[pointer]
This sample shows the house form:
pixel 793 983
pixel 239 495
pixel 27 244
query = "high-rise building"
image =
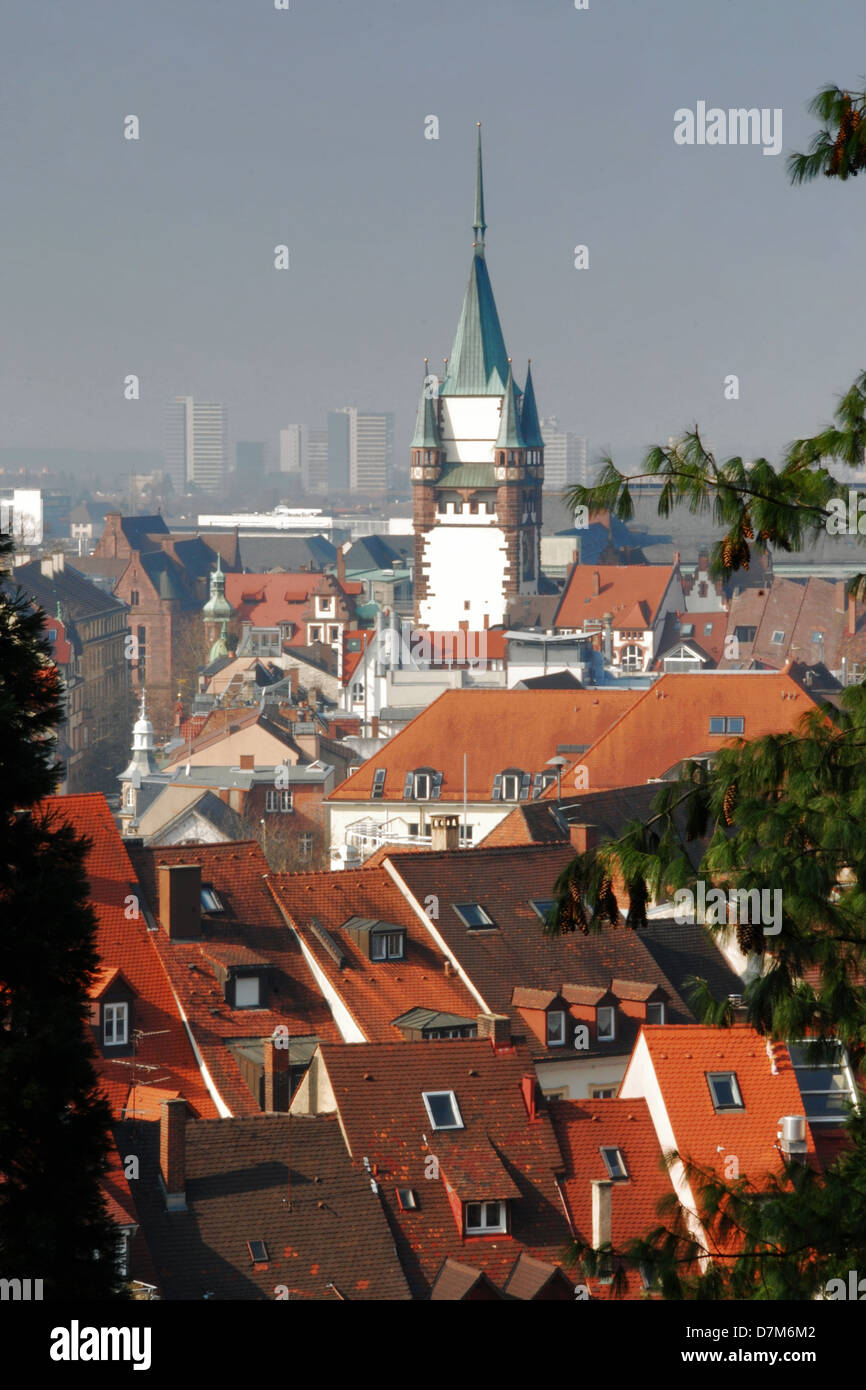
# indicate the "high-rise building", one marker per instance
pixel 314 461
pixel 564 456
pixel 371 444
pixel 195 443
pixel 339 449
pixel 477 469
pixel 292 449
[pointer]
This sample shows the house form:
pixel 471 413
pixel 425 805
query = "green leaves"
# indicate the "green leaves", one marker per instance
pixel 838 150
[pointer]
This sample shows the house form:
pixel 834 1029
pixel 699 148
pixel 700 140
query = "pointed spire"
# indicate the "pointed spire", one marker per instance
pixel 426 434
pixel 510 436
pixel 529 426
pixel 479 226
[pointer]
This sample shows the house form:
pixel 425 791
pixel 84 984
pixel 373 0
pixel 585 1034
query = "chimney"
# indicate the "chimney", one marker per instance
pixel 247 762
pixel 374 726
pixel 596 584
pixel 527 1086
pixel 793 1136
pixel 852 616
pixel 58 559
pixel 445 831
pixel 341 566
pixel 496 1027
pixel 601 1194
pixel 276 1066
pixel 608 637
pixel 180 900
pixel 172 1152
pixel 676 559
pixel 840 587
pixel 46 567
pixel 292 674
pixel 583 837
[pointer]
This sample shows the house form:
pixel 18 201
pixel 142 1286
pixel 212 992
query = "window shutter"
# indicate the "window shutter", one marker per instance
pixel 524 786
pixel 436 790
pixel 537 784
pixel 379 781
pixel 408 785
pixel 496 794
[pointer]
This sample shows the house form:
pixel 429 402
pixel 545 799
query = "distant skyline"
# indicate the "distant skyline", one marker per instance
pixel 307 127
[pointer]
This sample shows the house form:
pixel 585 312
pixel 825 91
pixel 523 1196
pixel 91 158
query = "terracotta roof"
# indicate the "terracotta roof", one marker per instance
pixel 496 729
pixel 284 1180
pixel 583 1128
pixel 621 588
pixel 378 1090
pixel 516 953
pixel 269 599
pixel 125 944
pixel 458 1282
pixel 670 722
pixel 374 992
pixel 250 929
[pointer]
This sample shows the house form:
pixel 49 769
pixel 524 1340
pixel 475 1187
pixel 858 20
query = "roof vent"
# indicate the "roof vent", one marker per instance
pixel 793 1135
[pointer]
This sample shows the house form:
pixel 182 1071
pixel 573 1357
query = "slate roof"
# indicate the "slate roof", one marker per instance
pixel 251 921
pixel 374 992
pixel 127 945
pixel 78 596
pixel 497 729
pixel 378 1090
pixel 286 1180
pixel 582 1128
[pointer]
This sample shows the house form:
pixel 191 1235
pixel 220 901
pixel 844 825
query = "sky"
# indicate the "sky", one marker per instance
pixel 306 126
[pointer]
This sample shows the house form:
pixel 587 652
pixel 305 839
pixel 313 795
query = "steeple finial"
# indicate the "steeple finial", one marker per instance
pixel 479 226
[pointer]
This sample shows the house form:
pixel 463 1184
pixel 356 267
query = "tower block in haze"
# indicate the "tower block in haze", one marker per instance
pixel 477 469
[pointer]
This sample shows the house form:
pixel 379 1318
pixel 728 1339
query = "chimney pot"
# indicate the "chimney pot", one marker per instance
pixel 596 583
pixel 445 832
pixel 276 1066
pixel 496 1027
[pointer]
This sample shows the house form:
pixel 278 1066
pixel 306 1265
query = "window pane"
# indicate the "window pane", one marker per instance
pixel 491 1213
pixel 473 1214
pixel 246 991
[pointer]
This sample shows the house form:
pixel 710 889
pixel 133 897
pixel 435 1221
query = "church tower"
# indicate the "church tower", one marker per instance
pixel 477 469
pixel 140 765
pixel 217 612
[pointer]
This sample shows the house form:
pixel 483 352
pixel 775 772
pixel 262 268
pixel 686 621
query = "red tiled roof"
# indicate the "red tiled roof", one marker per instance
pixel 378 1090
pixel 374 992
pixel 126 944
pixel 620 589
pixel 248 929
pixel 670 722
pixel 496 729
pixel 269 599
pixel 583 1127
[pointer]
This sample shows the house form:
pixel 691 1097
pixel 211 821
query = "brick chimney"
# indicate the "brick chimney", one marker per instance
pixel 180 900
pixel 841 602
pixel 445 831
pixel 496 1027
pixel 583 837
pixel 341 566
pixel 172 1152
pixel 374 726
pixel 601 1194
pixel 596 584
pixel 852 616
pixel 276 1066
pixel 527 1085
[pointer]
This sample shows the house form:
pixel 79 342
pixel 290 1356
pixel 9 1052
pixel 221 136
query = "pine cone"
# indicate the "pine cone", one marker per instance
pixel 750 938
pixel 728 805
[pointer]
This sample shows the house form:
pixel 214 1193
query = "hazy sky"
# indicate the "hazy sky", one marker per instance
pixel 306 126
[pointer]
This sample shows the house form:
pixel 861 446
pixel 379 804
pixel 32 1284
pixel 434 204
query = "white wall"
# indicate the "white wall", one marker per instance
pixel 469 426
pixel 463 563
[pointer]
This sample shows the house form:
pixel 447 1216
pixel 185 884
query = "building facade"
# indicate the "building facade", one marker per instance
pixel 195 443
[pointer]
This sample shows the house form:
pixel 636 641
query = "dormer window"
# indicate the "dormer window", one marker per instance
pixel 422 784
pixel 655 1013
pixel 442 1109
pixel 387 945
pixel 248 991
pixel 379 783
pixel 485 1218
pixel 115 1024
pixel 605 1024
pixel 511 785
pixel 556 1028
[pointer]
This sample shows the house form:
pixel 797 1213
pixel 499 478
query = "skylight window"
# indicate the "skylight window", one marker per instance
pixel 443 1109
pixel 725 1090
pixel 727 724
pixel 542 906
pixel 406 1199
pixel 210 899
pixel 258 1252
pixel 708 629
pixel 472 915
pixel 614 1161
pixel 778 637
pixel 379 783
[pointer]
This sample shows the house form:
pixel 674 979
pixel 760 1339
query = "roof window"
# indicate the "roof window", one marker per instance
pixel 443 1109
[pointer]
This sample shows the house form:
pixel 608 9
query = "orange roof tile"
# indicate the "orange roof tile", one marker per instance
pixel 620 588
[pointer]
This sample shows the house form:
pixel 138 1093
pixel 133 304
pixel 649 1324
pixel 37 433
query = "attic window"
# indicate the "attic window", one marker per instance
pixel 511 785
pixel 655 1013
pixel 708 629
pixel 724 1090
pixel 210 899
pixel 258 1252
pixel 687 629
pixel 379 783
pixel 484 1217
pixel 542 906
pixel 727 724
pixel 605 1024
pixel 614 1161
pixel 247 992
pixel 406 1199
pixel 556 1028
pixel 817 637
pixel 387 945
pixel 443 1109
pixel 422 784
pixel 778 637
pixel 473 916
pixel 114 1024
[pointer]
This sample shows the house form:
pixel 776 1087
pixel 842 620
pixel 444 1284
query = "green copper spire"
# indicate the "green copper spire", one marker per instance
pixel 218 605
pixel 510 436
pixel 479 226
pixel 529 426
pixel 426 434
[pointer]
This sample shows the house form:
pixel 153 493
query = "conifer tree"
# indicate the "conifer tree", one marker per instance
pixel 54 1124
